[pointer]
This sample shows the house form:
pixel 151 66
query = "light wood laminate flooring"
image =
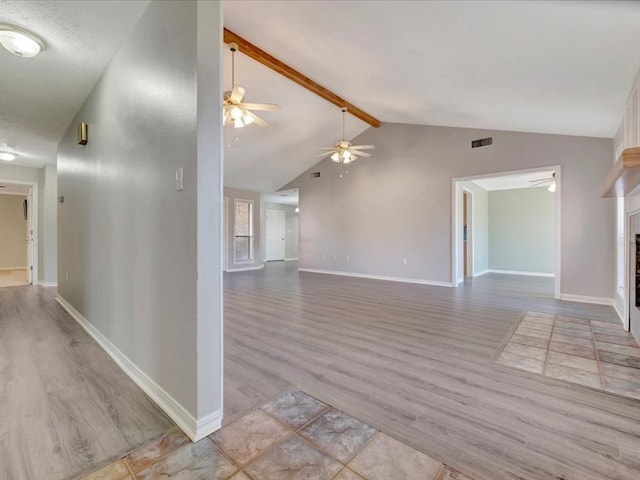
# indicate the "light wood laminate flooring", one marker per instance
pixel 415 361
pixel 65 407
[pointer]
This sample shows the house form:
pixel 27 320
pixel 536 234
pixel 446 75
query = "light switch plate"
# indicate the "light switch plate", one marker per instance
pixel 179 179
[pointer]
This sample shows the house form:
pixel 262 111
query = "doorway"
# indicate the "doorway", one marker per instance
pixel 500 219
pixel 276 230
pixel 18 237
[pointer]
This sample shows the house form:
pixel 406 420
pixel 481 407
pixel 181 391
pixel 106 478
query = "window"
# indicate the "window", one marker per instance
pixel 620 218
pixel 243 231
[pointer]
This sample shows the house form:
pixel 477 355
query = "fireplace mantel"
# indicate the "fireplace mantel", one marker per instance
pixel 624 176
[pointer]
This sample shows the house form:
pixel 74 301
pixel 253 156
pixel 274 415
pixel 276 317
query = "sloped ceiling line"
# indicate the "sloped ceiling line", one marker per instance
pixel 285 70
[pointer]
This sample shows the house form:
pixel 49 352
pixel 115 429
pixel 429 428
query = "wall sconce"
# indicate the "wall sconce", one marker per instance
pixel 82 133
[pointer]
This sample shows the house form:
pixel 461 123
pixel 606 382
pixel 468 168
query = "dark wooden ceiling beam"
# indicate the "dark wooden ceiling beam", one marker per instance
pixel 285 70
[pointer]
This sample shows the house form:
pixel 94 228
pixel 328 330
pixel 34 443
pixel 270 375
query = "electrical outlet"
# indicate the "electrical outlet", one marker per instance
pixel 66 275
pixel 348 258
pixel 404 261
pixel 324 257
pixel 335 257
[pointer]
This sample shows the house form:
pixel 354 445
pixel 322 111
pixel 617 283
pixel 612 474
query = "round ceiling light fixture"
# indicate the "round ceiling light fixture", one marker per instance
pixel 7 156
pixel 20 42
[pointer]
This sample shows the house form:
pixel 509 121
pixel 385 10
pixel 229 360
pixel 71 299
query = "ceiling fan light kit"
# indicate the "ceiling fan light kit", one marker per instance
pixel 344 153
pixel 236 112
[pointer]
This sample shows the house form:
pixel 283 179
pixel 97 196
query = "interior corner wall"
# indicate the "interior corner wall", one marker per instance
pixel 291 226
pixel 13 232
pixel 522 230
pixel 233 194
pixel 397 204
pixel 480 228
pixel 130 244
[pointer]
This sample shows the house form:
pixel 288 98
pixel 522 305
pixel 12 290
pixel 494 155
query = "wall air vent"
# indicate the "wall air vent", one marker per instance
pixel 482 142
pixel 315 174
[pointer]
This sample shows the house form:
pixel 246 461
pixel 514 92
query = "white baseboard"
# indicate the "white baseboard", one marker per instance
pixel 377 277
pixel 290 259
pixel 483 272
pixel 586 299
pixel 616 307
pixel 48 284
pixel 245 269
pixel 517 272
pixel 195 429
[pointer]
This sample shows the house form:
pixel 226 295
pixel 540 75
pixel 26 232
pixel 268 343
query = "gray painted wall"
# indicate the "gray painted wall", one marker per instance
pixel 13 232
pixel 49 222
pixel 258 213
pixel 522 230
pixel 397 204
pixel 291 234
pixel 142 259
pixel 480 228
pixel 47 231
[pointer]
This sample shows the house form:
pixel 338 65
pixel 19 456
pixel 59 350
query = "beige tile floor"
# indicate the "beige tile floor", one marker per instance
pixel 292 437
pixel 597 354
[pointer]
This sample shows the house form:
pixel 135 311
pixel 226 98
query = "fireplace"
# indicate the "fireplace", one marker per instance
pixel 634 275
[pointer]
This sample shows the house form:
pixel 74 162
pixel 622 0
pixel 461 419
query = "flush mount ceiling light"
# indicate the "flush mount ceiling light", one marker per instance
pixel 7 156
pixel 236 112
pixel 345 153
pixel 20 42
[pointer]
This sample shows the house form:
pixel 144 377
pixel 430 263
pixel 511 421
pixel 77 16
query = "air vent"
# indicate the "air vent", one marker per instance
pixel 482 142
pixel 315 174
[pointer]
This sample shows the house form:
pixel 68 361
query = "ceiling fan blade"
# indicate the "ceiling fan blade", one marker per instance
pixel 264 107
pixel 360 154
pixel 326 154
pixel 363 147
pixel 237 94
pixel 256 119
pixel 326 148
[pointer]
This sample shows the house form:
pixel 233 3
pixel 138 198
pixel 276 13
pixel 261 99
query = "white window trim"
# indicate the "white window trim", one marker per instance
pixel 251 236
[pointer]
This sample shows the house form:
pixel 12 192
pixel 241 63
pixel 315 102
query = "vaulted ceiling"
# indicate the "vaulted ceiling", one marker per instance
pixel 553 67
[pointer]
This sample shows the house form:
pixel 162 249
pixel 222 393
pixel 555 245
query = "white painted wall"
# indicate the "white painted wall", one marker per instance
pixel 522 230
pixel 13 232
pixel 143 260
pixel 397 204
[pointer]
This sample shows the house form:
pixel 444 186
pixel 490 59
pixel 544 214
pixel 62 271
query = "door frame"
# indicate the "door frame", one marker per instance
pixel 266 229
pixel 470 232
pixel 456 220
pixel 33 219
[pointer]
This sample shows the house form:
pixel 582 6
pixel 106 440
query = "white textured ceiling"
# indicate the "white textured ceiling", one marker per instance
pixel 40 96
pixel 551 67
pixel 517 180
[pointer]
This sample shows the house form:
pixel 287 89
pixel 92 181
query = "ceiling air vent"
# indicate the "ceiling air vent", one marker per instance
pixel 482 142
pixel 315 174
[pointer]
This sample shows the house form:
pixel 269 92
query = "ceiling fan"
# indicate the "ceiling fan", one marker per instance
pixel 237 112
pixel 344 152
pixel 541 181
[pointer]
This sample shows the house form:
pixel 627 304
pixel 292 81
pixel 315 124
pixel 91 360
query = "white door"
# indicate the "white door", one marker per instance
pixel 276 230
pixel 29 216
